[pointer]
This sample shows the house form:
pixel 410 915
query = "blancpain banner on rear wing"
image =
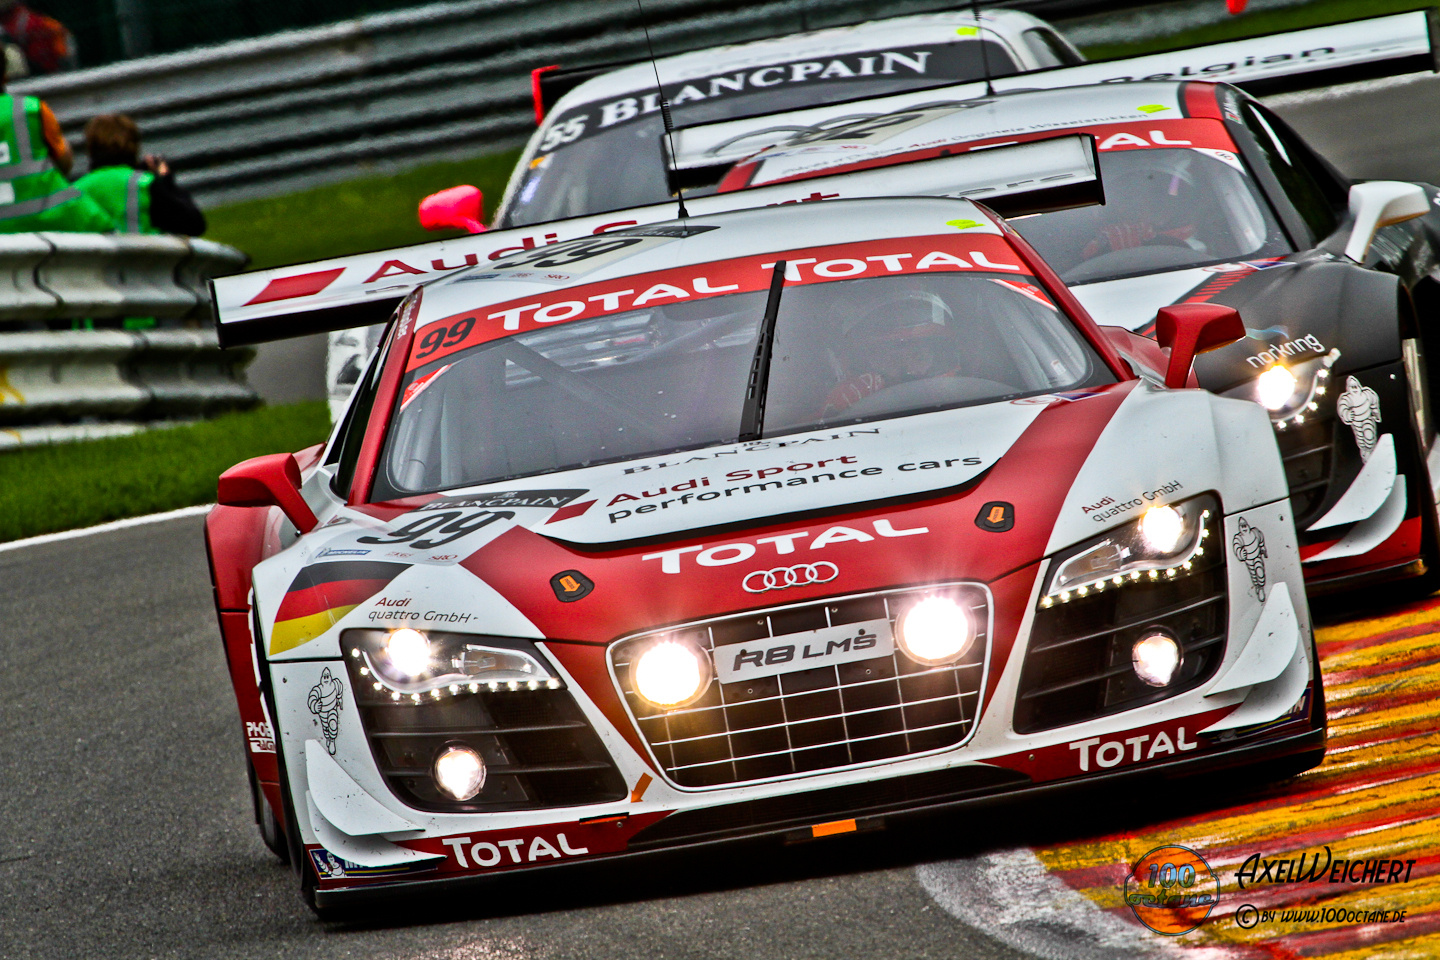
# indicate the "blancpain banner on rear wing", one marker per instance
pixel 361 289
pixel 747 482
pixel 1395 43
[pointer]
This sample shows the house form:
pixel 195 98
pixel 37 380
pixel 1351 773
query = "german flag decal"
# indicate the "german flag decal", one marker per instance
pixel 322 594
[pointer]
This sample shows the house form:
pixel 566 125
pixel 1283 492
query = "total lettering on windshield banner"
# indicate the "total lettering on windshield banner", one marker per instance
pixel 977 252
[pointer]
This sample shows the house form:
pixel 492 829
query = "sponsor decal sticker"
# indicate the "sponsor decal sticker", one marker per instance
pixel 325 701
pixel 997 516
pixel 1248 545
pixel 550 499
pixel 330 867
pixel 322 594
pixel 1280 351
pixel 571 585
pixel 1107 508
pixel 783 544
pixel 942 253
pixel 1359 409
pixel 260 736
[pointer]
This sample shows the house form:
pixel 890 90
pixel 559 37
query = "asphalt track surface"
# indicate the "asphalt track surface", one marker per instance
pixel 125 828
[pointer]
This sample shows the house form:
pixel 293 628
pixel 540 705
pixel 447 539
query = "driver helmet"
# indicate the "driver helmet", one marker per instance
pixel 909 337
pixel 1159 200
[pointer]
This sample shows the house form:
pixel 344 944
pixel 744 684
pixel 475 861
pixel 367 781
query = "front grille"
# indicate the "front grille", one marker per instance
pixel 812 720
pixel 1308 452
pixel 1078 665
pixel 817 806
pixel 538 748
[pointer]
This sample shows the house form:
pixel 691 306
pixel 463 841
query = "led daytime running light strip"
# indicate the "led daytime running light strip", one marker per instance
pixel 1136 576
pixel 1318 388
pixel 454 689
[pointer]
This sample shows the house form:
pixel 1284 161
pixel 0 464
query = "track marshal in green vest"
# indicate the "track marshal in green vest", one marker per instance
pixel 140 195
pixel 34 160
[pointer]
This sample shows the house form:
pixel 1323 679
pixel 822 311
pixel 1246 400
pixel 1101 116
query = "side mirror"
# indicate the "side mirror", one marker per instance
pixel 460 208
pixel 1191 328
pixel 1377 204
pixel 269 481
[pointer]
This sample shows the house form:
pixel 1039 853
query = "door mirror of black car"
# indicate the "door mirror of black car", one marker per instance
pixel 1191 328
pixel 458 208
pixel 269 481
pixel 1379 203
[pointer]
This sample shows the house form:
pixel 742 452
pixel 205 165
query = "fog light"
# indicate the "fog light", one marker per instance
pixel 1156 657
pixel 1275 387
pixel 459 772
pixel 936 630
pixel 1162 527
pixel 408 651
pixel 671 674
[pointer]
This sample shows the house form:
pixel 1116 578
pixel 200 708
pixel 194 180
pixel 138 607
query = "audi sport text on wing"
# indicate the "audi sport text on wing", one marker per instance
pixel 630 553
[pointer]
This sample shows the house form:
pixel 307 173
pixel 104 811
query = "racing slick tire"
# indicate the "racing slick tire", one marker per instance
pixel 268 824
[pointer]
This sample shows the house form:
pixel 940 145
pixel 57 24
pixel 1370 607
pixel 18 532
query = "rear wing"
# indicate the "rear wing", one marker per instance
pixel 1052 174
pixel 1316 56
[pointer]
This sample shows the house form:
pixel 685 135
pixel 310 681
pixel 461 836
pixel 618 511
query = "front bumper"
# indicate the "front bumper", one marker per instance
pixel 923 795
pixel 1260 703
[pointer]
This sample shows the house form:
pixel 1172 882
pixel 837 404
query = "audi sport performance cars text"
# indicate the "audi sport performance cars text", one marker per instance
pixel 773 521
pixel 1211 198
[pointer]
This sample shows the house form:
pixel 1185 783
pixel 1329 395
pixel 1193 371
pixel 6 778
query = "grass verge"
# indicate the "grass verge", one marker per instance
pixel 352 217
pixel 65 486
pixel 1256 23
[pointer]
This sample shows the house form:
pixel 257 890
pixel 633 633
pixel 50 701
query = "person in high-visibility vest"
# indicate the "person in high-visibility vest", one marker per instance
pixel 141 196
pixel 34 160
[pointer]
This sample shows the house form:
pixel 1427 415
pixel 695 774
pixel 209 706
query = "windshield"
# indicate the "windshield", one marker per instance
pixel 1164 210
pixel 606 155
pixel 649 381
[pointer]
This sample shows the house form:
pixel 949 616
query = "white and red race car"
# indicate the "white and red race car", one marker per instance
pixel 1211 198
pixel 778 521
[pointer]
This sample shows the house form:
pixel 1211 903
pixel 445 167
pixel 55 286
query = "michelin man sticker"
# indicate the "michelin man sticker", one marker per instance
pixel 325 700
pixel 1359 408
pixel 1249 546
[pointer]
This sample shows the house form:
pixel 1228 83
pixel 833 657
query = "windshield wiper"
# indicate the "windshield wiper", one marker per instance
pixel 752 419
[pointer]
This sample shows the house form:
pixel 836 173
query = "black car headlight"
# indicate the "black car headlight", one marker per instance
pixel 412 664
pixel 1291 392
pixel 1162 543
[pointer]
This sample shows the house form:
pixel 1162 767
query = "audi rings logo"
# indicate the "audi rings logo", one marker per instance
pixel 781 578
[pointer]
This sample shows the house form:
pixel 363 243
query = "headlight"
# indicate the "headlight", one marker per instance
pixel 459 772
pixel 1290 392
pixel 414 664
pixel 1161 544
pixel 671 673
pixel 1156 658
pixel 934 631
pixel 408 653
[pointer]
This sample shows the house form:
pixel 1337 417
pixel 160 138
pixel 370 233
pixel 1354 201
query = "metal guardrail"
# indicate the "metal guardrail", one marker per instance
pixel 61 383
pixel 283 113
